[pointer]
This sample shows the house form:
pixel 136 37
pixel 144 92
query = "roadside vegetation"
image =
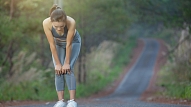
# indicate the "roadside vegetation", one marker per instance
pixel 109 29
pixel 176 81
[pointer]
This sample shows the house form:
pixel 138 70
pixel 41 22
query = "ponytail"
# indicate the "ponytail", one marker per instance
pixel 57 14
pixel 54 7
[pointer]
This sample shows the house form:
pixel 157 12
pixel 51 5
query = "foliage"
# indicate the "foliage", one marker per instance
pixel 43 89
pixel 99 20
pixel 35 91
pixel 176 80
pixel 20 32
pixel 170 12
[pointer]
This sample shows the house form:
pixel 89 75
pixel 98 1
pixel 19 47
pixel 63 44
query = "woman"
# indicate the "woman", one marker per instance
pixel 65 43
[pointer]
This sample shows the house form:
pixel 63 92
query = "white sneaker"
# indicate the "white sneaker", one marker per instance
pixel 60 104
pixel 71 103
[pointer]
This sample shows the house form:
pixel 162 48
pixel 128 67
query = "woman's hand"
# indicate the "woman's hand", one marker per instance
pixel 58 69
pixel 66 68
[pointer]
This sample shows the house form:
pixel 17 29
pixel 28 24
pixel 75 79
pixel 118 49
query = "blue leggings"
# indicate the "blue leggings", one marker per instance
pixel 68 78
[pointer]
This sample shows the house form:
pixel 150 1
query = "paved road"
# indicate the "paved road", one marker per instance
pixel 132 86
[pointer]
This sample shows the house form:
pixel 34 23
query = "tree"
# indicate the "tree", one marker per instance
pixel 170 12
pixel 96 21
pixel 59 2
pixel 22 25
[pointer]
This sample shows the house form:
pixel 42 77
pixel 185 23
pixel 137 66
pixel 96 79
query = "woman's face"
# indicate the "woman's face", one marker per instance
pixel 59 26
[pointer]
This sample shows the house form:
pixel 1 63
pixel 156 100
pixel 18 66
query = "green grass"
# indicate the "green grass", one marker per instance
pixel 176 79
pixel 178 90
pixel 26 91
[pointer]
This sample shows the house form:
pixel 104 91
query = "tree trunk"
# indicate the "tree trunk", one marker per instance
pixel 84 59
pixel 79 68
pixel 59 2
pixel 10 51
pixel 11 9
pixel 8 58
pixel 42 50
pixel 10 61
pixel 83 52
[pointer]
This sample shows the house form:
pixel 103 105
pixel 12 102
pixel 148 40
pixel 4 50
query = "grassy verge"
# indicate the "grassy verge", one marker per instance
pixel 27 91
pixel 44 90
pixel 176 80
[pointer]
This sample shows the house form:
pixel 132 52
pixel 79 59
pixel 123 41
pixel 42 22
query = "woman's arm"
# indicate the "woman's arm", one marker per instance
pixel 52 46
pixel 71 25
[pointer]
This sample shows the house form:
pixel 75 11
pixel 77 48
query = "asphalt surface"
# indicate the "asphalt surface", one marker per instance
pixel 131 87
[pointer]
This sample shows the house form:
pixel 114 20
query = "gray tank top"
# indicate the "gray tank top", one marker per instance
pixel 76 38
pixel 62 37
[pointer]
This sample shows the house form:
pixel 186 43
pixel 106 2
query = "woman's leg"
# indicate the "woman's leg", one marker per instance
pixel 60 95
pixel 59 84
pixel 71 83
pixel 59 79
pixel 70 78
pixel 72 94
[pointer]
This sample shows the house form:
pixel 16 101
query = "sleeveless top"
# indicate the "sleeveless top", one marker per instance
pixel 62 37
pixel 76 38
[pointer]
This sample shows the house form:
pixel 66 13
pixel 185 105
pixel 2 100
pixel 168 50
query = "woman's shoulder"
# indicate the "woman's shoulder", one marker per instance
pixel 70 20
pixel 47 22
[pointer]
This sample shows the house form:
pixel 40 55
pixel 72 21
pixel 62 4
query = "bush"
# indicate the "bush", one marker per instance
pixel 176 78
